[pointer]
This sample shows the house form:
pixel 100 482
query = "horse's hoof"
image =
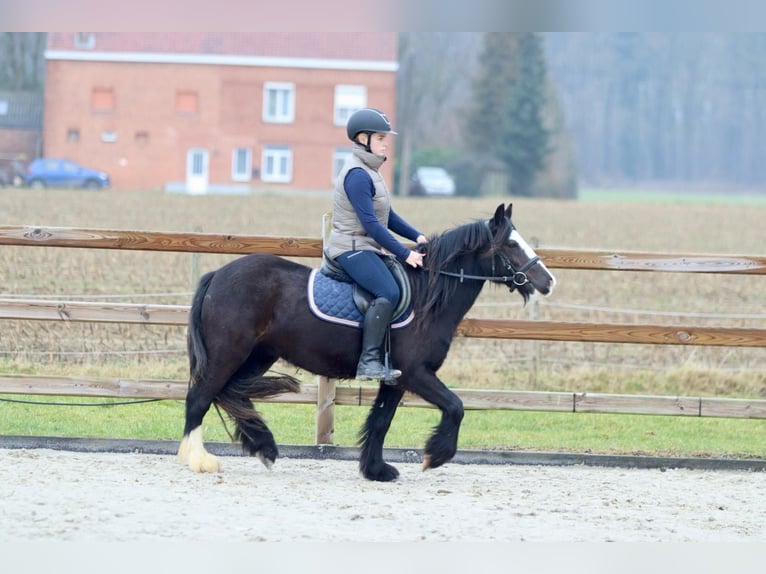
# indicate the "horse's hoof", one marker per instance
pixel 385 473
pixel 205 463
pixel 267 462
pixel 435 460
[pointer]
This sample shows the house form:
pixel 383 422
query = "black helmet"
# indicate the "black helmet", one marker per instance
pixel 368 120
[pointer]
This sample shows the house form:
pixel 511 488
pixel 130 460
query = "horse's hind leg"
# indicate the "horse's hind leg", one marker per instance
pixel 371 463
pixel 232 391
pixel 192 449
pixel 251 430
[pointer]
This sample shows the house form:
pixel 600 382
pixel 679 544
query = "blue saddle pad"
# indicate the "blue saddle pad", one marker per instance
pixel 333 301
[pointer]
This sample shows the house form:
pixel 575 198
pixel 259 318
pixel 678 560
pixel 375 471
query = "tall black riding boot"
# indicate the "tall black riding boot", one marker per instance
pixel 376 320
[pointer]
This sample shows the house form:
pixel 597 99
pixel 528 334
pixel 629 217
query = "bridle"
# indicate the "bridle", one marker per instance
pixel 517 276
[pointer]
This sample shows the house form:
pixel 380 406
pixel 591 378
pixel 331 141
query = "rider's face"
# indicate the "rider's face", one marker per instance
pixel 379 144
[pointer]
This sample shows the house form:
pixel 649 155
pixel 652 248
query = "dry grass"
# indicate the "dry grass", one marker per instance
pixel 620 297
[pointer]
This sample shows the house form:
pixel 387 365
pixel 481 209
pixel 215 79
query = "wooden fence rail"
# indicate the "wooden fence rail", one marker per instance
pixel 326 394
pixel 37 309
pixel 356 395
pixel 312 247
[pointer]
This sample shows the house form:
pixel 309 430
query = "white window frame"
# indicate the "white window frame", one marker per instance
pixel 85 40
pixel 339 157
pixel 246 173
pixel 277 164
pixel 279 102
pixel 348 99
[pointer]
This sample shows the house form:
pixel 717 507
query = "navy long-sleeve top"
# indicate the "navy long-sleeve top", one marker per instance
pixel 360 191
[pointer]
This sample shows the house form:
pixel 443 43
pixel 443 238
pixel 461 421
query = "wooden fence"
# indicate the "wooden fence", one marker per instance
pixel 326 394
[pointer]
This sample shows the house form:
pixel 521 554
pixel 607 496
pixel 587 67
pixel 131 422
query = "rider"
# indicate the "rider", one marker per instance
pixel 360 237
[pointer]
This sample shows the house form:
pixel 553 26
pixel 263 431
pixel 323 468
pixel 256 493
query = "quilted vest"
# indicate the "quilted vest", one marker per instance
pixel 347 233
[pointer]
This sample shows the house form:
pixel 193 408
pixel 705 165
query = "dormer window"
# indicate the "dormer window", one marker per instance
pixel 84 40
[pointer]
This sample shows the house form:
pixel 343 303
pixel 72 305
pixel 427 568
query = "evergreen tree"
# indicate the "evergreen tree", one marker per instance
pixel 506 121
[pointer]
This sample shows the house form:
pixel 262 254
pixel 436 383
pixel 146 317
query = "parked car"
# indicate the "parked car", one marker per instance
pixel 54 172
pixel 429 180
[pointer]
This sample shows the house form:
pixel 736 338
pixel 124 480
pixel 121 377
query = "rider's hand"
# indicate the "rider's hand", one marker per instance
pixel 415 259
pixel 421 239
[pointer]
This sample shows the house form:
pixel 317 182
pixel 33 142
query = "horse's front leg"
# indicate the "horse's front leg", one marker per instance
pixel 373 434
pixel 442 444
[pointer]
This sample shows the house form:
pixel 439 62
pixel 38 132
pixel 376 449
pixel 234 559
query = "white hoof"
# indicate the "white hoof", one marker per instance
pixel 192 452
pixel 204 462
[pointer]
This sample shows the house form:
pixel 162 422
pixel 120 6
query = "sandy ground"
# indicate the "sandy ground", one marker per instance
pixel 71 496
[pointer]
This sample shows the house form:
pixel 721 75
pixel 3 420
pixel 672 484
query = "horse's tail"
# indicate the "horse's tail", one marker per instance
pixel 195 343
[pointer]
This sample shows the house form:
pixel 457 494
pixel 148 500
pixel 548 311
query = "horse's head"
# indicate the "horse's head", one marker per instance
pixel 514 259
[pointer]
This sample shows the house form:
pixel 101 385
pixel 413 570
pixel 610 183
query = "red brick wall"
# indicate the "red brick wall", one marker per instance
pixel 229 116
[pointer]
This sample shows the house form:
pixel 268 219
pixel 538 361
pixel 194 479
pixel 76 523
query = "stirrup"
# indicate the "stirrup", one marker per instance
pixel 377 372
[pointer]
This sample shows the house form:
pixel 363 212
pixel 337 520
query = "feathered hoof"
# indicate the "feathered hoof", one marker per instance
pixel 267 462
pixel 204 462
pixel 192 452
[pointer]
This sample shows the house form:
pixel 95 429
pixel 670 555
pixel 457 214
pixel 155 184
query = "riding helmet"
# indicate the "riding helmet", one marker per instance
pixel 368 120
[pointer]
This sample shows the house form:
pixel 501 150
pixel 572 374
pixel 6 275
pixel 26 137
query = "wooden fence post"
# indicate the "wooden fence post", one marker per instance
pixel 325 419
pixel 534 359
pixel 325 424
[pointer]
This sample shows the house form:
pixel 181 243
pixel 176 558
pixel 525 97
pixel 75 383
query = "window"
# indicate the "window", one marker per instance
pixel 348 99
pixel 339 158
pixel 187 102
pixel 241 164
pixel 277 164
pixel 3 107
pixel 69 167
pixel 278 102
pixel 84 40
pixel 73 135
pixel 102 100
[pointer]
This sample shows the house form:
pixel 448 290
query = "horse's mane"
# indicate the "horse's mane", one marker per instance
pixel 456 248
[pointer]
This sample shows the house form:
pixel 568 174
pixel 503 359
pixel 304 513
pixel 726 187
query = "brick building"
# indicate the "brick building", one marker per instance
pixel 213 112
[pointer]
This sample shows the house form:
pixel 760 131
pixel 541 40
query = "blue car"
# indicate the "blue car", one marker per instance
pixel 52 172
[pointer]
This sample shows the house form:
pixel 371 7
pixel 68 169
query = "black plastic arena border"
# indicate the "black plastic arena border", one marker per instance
pixel 401 455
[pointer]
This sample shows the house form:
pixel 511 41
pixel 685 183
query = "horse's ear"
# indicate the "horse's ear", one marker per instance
pixel 508 210
pixel 499 215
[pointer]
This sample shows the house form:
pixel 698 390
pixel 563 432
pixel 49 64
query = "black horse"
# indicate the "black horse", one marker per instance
pixel 254 310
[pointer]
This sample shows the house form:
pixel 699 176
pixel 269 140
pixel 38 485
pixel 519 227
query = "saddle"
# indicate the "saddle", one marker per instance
pixel 334 297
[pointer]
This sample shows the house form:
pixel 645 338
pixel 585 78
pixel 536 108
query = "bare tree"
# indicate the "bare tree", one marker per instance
pixel 22 62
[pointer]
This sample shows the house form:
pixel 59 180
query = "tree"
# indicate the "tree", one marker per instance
pixel 525 133
pixel 21 60
pixel 506 119
pixel 431 70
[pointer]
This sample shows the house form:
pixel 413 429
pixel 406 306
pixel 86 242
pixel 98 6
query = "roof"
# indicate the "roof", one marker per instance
pixel 365 46
pixel 21 109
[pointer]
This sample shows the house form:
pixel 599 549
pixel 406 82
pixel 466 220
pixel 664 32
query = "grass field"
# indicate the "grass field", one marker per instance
pixel 648 195
pixel 600 296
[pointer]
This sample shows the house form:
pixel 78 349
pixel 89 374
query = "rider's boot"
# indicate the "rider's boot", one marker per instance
pixel 376 320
